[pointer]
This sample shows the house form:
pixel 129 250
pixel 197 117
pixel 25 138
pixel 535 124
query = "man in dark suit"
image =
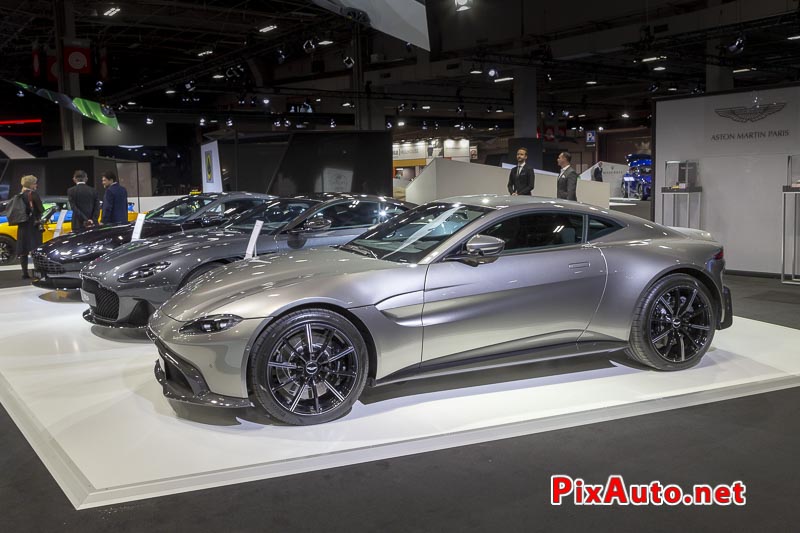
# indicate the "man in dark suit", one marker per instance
pixel 567 178
pixel 597 173
pixel 84 203
pixel 520 181
pixel 115 202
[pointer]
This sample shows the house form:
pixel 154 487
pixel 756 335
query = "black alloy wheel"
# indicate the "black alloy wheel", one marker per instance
pixel 309 367
pixel 7 249
pixel 674 324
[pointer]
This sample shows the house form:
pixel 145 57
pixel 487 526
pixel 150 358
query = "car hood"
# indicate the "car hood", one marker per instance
pixel 264 286
pixel 184 245
pixel 113 236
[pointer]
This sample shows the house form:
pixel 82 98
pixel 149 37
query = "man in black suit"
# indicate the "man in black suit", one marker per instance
pixel 84 202
pixel 115 202
pixel 520 181
pixel 567 178
pixel 597 173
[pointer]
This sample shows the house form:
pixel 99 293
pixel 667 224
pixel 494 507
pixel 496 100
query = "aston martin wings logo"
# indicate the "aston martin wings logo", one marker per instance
pixel 750 114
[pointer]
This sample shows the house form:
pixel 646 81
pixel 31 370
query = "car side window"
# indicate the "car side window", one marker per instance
pixel 351 215
pixel 535 231
pixel 599 227
pixel 234 207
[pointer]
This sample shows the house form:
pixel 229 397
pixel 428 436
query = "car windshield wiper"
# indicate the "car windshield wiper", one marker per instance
pixel 361 250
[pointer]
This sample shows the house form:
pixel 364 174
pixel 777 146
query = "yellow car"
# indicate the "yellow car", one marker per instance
pixel 52 208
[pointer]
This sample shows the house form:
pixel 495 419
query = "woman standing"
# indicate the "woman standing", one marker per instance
pixel 29 233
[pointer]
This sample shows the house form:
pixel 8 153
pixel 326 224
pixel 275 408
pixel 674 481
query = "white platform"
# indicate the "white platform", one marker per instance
pixel 86 400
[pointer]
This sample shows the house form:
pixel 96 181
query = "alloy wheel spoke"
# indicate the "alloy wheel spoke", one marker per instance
pixel 326 342
pixel 660 337
pixel 309 340
pixel 688 304
pixel 689 336
pixel 683 348
pixel 333 390
pixel 287 366
pixel 297 397
pixel 665 303
pixel 283 385
pixel 294 351
pixel 315 394
pixel 338 356
pixel 698 326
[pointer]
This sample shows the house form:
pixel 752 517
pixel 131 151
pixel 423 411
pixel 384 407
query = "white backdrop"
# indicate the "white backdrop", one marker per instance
pixel 742 142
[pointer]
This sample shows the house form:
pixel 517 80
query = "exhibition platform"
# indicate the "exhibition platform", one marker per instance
pixel 86 400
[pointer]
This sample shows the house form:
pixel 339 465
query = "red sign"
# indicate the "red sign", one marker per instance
pixel 77 59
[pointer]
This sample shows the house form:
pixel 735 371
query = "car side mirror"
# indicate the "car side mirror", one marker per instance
pixel 315 224
pixel 485 246
pixel 212 219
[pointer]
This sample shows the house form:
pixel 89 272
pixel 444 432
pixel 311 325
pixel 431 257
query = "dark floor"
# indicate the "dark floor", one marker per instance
pixel 494 486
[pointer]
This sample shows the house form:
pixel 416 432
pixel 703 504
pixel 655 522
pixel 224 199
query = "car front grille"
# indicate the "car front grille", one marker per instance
pixel 107 301
pixel 45 265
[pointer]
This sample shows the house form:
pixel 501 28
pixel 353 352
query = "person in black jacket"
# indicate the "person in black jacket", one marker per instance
pixel 115 202
pixel 521 178
pixel 567 179
pixel 84 202
pixel 29 233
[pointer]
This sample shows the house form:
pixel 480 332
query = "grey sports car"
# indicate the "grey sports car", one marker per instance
pixel 453 285
pixel 126 285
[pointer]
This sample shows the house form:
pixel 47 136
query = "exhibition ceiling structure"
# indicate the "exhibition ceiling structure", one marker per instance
pixel 250 356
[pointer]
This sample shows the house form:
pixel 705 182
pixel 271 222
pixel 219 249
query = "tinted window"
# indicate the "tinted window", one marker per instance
pixel 529 232
pixel 178 210
pixel 598 227
pixel 235 207
pixel 352 214
pixel 275 215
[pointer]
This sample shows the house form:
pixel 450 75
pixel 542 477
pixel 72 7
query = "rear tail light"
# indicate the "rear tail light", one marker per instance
pixel 719 256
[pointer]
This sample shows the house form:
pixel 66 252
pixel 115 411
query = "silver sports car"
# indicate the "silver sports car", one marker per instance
pixel 126 285
pixel 453 285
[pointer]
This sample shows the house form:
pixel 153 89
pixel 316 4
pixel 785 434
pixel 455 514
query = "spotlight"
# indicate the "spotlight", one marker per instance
pixel 413 106
pixel 189 86
pixel 148 121
pixel 737 46
pixel 551 113
pixel 591 82
pixel 333 123
pixel 654 87
pixel 409 47
pixel 309 46
pixel 202 121
pixel 169 91
pixel 424 124
pixel 253 101
pixel 269 28
pixel 347 104
pixel 436 125
pixel 493 72
pixel 348 62
pixel 20 94
pixel 242 100
pixel 287 122
pixel 426 108
pixel 600 128
pixel 697 90
pixel 218 76
pixel 565 113
pixel 98 87
pixel 265 101
pixel 460 109
pixel 625 115
pixel 499 110
pixel 280 56
pixel 401 108
pixel 401 123
pixel 229 122
pixel 389 124
pixel 463 5
pixel 549 77
pixel 131 103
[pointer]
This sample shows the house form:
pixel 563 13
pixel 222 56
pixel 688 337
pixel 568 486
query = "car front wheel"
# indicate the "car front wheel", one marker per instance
pixel 308 367
pixel 674 324
pixel 7 250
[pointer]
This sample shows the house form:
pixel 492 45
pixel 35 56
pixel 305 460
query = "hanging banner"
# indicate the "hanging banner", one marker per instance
pixel 212 176
pixel 77 57
pixel 89 109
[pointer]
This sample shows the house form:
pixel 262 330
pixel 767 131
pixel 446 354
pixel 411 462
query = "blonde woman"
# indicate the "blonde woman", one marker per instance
pixel 29 233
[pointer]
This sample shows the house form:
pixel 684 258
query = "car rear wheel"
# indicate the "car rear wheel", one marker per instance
pixel 674 324
pixel 309 367
pixel 7 250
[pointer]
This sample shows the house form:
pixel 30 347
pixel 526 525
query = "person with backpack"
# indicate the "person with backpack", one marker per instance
pixel 29 233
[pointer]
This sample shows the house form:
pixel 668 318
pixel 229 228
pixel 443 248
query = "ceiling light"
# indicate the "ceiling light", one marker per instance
pixel 591 82
pixel 309 46
pixel 507 78
pixel 348 62
pixel 794 37
pixel 333 123
pixel 659 69
pixel 131 103
pixel 600 128
pixel 401 123
pixel 229 122
pixel 325 42
pixel 318 100
pixel 740 70
pixel 426 107
pixel 265 101
pixel 148 121
pixel 111 12
pixel 205 53
pixel 582 115
pixel 672 88
pixel 737 46
pixel 625 115
pixel 347 104
pixel 169 91
pixel 493 72
pixel 266 29
pixel 463 5
pixel 476 70
pixel 654 58
pixel 499 110
pixel 202 121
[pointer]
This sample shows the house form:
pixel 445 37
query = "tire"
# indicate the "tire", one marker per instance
pixel 300 390
pixel 7 250
pixel 674 324
pixel 199 271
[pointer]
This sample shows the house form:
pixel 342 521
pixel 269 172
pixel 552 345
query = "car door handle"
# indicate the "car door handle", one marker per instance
pixel 579 265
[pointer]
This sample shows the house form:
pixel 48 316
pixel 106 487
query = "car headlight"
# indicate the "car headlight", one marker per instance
pixel 144 271
pixel 96 248
pixel 210 324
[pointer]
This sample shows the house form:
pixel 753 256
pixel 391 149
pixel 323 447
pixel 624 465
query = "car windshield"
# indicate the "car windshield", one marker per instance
pixel 178 210
pixel 275 215
pixel 409 237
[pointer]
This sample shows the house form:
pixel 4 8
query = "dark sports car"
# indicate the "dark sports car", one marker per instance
pixel 125 286
pixel 453 285
pixel 57 263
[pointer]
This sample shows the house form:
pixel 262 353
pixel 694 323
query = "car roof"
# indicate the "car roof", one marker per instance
pixel 329 196
pixel 233 194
